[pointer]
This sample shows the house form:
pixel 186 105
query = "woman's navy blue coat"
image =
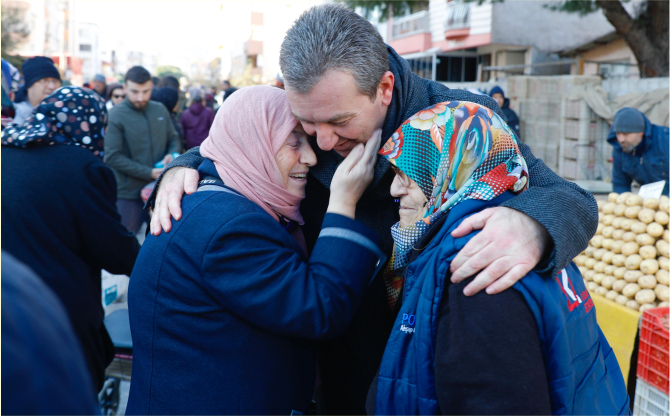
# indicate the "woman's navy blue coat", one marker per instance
pixel 223 308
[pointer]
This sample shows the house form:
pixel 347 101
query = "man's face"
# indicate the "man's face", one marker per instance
pixel 338 114
pixel 138 94
pixel 99 87
pixel 629 141
pixel 41 90
pixel 499 98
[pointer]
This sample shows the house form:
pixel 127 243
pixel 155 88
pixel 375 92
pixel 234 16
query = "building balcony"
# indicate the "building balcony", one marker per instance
pixel 411 25
pixel 457 24
pixel 411 34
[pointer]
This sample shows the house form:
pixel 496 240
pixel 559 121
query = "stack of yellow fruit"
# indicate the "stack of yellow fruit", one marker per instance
pixel 627 259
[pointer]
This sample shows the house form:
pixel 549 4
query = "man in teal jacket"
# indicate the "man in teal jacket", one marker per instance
pixel 140 134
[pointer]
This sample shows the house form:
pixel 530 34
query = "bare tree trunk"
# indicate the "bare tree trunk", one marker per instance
pixel 651 58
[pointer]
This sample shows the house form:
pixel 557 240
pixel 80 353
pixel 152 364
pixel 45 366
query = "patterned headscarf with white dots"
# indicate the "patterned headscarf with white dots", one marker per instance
pixel 73 116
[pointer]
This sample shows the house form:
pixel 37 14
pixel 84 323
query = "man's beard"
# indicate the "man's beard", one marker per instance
pixel 628 149
pixel 139 106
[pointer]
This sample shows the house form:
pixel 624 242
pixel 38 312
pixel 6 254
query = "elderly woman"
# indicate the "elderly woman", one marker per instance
pixel 535 349
pixel 223 308
pixel 59 211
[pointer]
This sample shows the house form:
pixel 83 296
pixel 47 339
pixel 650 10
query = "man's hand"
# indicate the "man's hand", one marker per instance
pixel 176 182
pixel 509 246
pixel 156 172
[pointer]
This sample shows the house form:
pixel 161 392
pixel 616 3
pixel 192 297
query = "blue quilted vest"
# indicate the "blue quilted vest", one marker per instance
pixel 584 376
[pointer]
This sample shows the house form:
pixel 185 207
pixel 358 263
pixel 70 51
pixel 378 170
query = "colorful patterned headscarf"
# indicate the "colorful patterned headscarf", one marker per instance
pixel 70 115
pixel 454 151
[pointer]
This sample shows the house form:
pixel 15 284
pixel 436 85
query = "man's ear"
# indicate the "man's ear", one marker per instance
pixel 386 88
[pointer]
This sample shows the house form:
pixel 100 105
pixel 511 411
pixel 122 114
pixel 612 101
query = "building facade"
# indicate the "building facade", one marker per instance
pixel 457 41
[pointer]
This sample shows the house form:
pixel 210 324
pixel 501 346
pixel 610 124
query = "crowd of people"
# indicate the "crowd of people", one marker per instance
pixel 392 248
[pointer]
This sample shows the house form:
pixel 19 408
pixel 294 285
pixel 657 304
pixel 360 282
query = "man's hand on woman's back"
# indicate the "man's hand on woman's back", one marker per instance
pixel 175 183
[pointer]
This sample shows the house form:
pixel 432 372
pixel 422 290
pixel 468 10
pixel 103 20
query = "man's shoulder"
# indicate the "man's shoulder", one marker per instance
pixel 120 111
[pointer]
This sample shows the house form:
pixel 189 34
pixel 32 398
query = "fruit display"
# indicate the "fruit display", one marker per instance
pixel 627 260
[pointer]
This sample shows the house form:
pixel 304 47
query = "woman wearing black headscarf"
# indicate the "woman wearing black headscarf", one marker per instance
pixel 59 211
pixel 169 97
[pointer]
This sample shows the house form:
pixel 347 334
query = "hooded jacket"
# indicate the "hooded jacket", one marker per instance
pixel 512 118
pixel 648 163
pixel 195 123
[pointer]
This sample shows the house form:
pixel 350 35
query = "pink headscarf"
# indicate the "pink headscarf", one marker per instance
pixel 247 132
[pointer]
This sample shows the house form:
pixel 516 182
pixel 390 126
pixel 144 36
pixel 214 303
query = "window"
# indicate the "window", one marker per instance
pixel 85 48
pixel 615 70
pixel 456 69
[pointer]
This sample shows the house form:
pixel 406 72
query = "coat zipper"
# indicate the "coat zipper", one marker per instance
pixel 151 139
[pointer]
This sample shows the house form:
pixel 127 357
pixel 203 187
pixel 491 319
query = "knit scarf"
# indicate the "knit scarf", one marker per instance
pixel 454 151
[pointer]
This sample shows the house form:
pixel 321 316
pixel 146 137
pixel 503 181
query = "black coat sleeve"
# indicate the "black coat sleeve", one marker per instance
pixel 488 358
pixel 107 242
pixel 566 211
pixel 191 159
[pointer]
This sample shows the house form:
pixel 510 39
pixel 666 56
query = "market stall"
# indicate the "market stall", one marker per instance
pixel 625 268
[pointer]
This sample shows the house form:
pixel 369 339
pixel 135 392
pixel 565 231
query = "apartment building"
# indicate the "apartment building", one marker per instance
pixel 457 41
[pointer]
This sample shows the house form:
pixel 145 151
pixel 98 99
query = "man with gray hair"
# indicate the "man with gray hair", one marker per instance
pixel 343 83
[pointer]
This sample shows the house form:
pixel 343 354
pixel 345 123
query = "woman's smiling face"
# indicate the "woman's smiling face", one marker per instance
pixel 294 158
pixel 412 199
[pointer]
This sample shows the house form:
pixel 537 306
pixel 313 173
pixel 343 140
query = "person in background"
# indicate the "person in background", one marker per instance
pixel 140 134
pixel 227 89
pixel 279 82
pixel 115 95
pixel 196 122
pixel 169 81
pixel 10 82
pixel 41 78
pixel 44 368
pixel 640 150
pixel 155 81
pixel 100 86
pixel 59 214
pixel 169 97
pixel 498 94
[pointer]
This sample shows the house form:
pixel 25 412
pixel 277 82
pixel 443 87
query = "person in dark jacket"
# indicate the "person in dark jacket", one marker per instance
pixel 535 349
pixel 498 94
pixel 59 214
pixel 376 88
pixel 222 310
pixel 640 150
pixel 41 78
pixel 196 122
pixel 169 97
pixel 43 366
pixel 100 86
pixel 228 90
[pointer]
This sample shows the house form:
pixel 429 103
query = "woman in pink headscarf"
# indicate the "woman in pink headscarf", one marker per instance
pixel 223 308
